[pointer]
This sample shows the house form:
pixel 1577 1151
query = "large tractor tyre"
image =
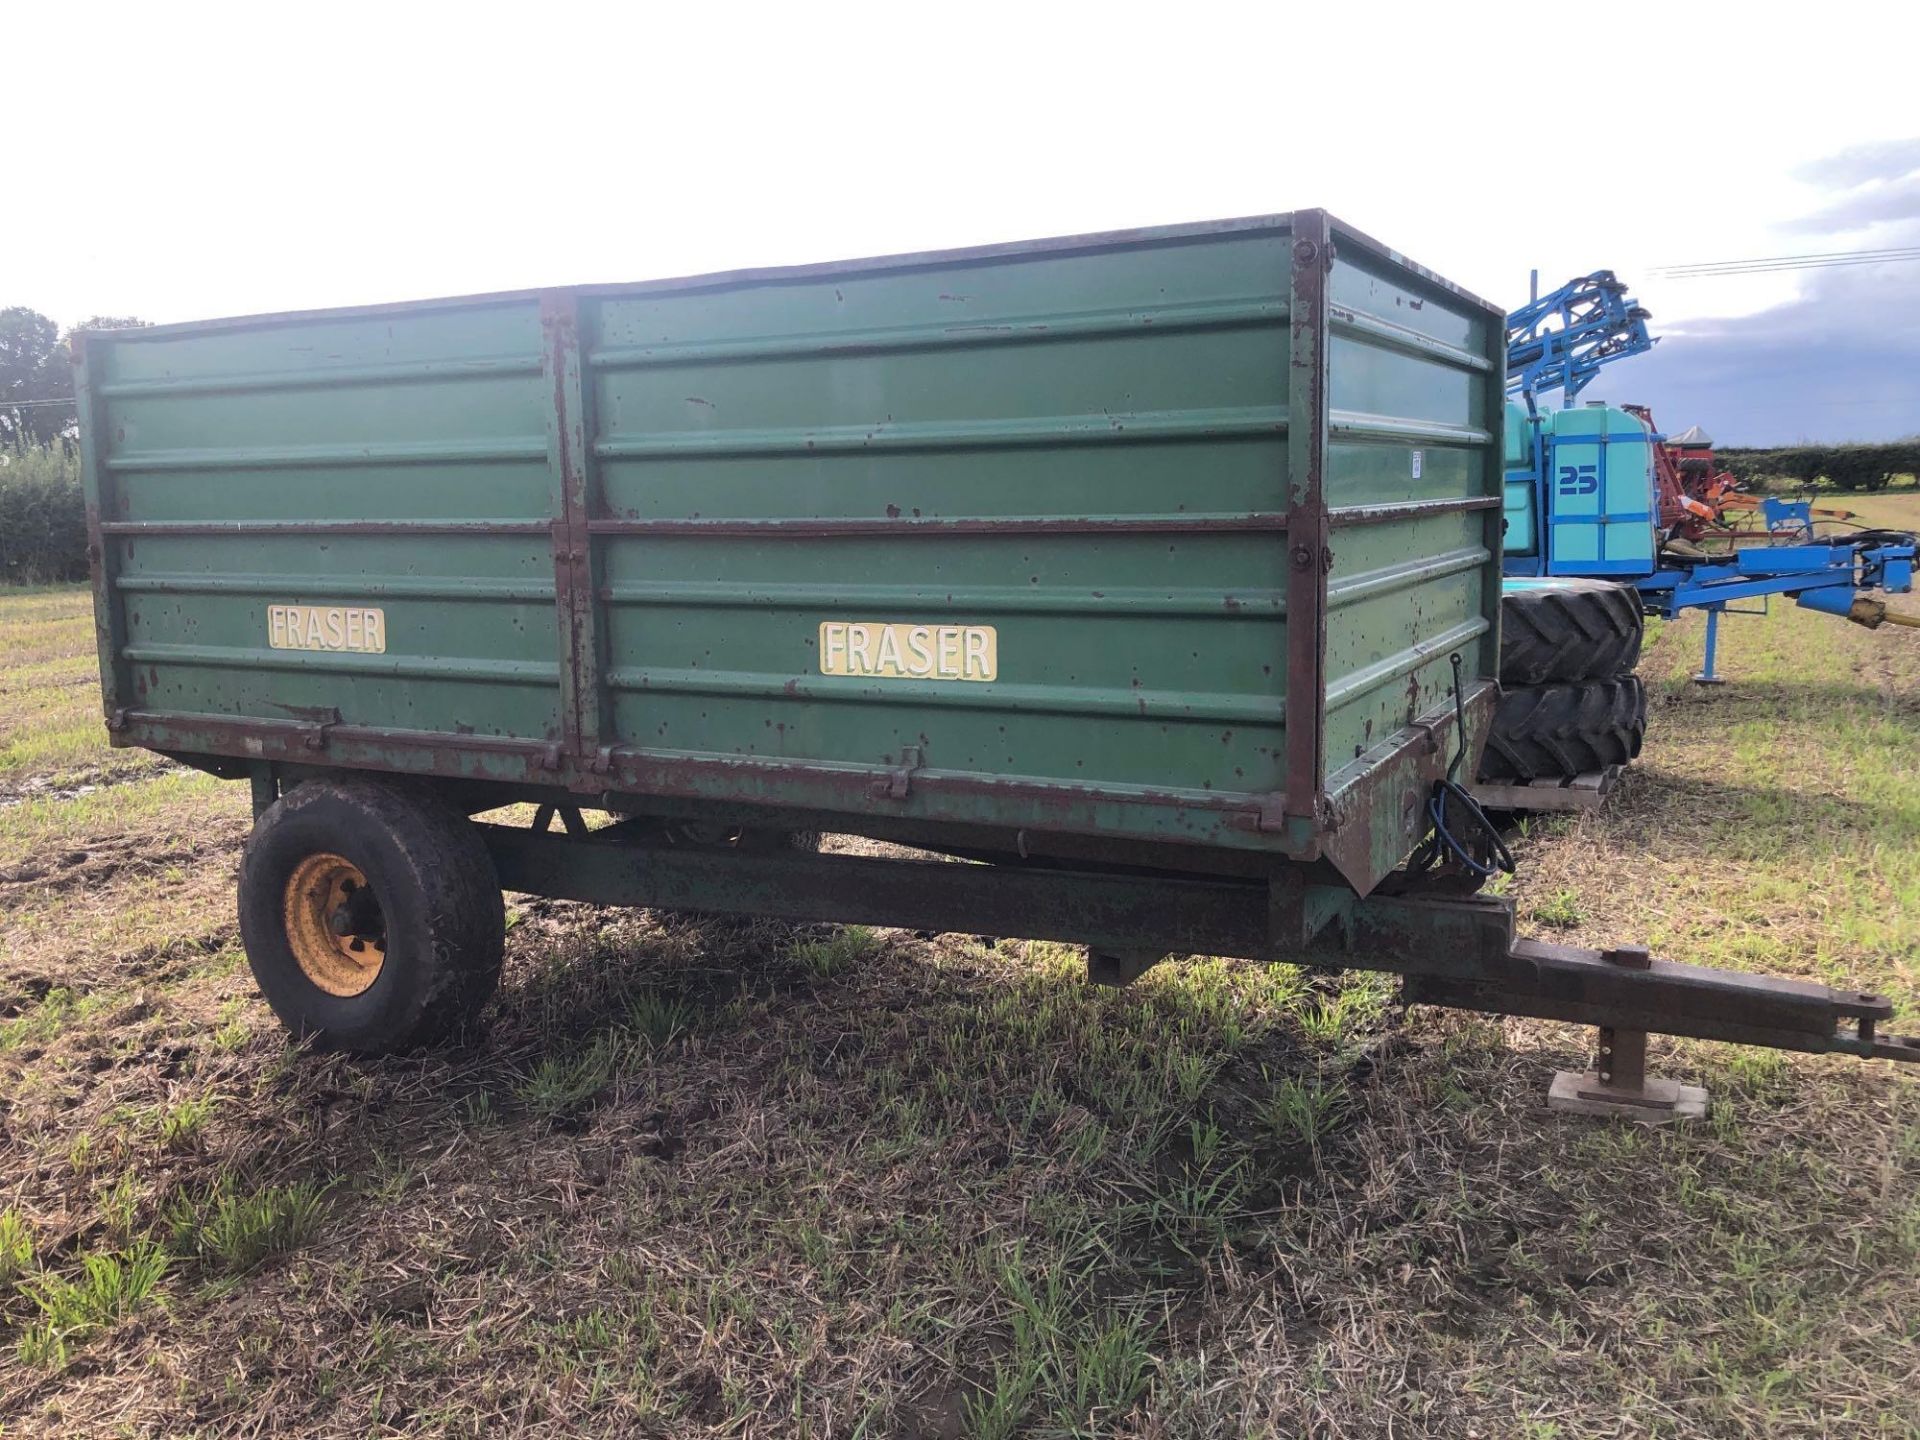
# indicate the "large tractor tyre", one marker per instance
pixel 1550 732
pixel 371 915
pixel 1560 631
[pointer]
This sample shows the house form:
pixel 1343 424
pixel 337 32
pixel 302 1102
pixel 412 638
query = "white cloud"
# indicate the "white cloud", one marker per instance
pixel 219 159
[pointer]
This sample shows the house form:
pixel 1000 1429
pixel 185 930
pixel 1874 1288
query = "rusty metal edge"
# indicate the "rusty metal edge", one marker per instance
pixel 631 775
pixel 1408 761
pixel 245 529
pixel 809 527
pixel 799 526
pixel 1383 514
pixel 572 581
pixel 1308 557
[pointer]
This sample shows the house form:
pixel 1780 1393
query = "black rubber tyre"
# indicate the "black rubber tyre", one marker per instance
pixel 1553 731
pixel 409 880
pixel 1568 631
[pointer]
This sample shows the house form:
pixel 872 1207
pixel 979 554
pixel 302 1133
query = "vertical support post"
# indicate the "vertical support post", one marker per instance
pixel 1308 556
pixel 575 572
pixel 1622 1061
pixel 1617 1084
pixel 1708 674
pixel 109 614
pixel 266 787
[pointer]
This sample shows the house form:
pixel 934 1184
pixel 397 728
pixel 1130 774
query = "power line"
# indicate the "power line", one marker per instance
pixel 1867 257
pixel 1771 259
pixel 1777 269
pixel 23 404
pixel 1774 264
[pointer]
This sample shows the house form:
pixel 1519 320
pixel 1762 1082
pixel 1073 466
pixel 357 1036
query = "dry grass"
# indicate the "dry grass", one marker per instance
pixel 705 1179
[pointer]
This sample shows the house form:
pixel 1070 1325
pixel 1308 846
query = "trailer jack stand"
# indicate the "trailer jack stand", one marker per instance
pixel 1708 673
pixel 1618 1085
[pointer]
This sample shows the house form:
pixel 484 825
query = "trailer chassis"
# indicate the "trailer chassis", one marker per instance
pixel 1450 949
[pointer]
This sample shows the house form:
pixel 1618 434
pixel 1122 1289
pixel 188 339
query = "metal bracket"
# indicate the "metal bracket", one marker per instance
pixel 1115 968
pixel 899 783
pixel 322 718
pixel 570 816
pixel 1271 817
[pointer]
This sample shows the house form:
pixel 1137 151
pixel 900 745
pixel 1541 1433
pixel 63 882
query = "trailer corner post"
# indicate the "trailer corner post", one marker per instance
pixel 570 462
pixel 1308 552
pixel 109 615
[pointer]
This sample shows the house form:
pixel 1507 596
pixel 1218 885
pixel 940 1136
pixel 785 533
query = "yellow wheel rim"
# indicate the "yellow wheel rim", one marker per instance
pixel 334 924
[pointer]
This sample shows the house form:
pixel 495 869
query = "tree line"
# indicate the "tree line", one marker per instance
pixel 43 520
pixel 1845 467
pixel 36 375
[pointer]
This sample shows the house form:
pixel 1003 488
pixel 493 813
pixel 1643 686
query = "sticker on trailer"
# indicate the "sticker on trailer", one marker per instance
pixel 327 627
pixel 876 650
pixel 1418 457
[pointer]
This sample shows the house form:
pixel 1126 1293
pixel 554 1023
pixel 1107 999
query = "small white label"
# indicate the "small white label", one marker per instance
pixel 1418 456
pixel 327 627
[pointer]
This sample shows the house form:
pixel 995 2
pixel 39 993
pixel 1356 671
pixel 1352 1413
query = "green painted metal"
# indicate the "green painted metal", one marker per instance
pixel 1523 526
pixel 1228 496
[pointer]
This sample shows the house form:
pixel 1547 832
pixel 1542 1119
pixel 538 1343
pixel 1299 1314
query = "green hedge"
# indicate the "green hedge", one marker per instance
pixel 43 518
pixel 1845 467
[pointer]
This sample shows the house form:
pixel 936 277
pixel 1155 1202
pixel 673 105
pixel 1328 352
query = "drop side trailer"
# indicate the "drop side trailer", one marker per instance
pixel 1152 576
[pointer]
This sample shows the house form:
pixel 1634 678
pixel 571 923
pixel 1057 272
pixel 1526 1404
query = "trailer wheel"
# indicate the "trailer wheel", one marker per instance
pixel 1554 731
pixel 371 915
pixel 1568 630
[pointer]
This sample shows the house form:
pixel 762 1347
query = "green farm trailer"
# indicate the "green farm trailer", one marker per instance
pixel 1154 577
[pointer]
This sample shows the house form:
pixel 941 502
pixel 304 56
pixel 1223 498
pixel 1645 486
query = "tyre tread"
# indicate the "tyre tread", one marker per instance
pixel 446 860
pixel 1558 731
pixel 1582 630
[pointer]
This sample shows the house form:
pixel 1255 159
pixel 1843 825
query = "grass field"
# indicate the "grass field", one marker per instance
pixel 713 1179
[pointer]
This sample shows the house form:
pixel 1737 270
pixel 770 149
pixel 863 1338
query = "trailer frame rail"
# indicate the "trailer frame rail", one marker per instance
pixel 1453 950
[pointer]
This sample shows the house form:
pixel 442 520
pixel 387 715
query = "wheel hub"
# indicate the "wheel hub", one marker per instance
pixel 334 924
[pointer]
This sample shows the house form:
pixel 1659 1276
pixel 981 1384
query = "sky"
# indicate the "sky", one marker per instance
pixel 198 160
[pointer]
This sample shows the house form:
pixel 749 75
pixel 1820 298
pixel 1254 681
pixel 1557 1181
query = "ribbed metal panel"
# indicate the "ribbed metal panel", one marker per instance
pixel 1224 508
